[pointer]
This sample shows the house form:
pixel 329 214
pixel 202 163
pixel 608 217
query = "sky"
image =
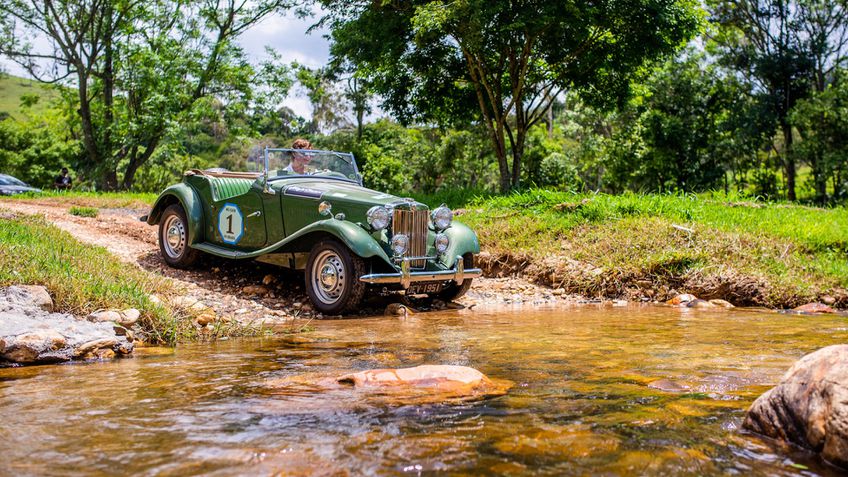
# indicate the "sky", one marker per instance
pixel 285 33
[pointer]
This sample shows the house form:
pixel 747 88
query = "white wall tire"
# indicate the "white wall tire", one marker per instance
pixel 332 278
pixel 173 238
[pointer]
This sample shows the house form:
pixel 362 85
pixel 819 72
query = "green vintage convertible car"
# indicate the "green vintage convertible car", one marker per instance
pixel 308 210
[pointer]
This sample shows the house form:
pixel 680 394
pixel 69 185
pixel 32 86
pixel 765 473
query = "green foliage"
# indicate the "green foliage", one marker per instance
pixel 496 62
pixel 14 89
pixel 35 150
pixel 557 170
pixel 822 121
pixel 140 70
pixel 84 211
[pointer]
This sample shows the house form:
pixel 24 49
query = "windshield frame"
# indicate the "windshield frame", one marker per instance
pixel 344 155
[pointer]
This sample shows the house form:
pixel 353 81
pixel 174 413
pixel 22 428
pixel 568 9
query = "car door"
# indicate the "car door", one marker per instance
pixel 238 217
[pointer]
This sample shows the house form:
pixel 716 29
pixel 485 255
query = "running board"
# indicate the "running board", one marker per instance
pixel 219 251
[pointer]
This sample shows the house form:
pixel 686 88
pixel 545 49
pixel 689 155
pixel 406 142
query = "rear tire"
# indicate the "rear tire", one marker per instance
pixel 173 238
pixel 332 278
pixel 454 291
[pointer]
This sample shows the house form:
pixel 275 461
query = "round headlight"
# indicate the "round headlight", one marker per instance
pixel 378 217
pixel 400 243
pixel 442 217
pixel 442 243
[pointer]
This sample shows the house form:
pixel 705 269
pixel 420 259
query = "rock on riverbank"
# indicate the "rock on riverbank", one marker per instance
pixel 31 333
pixel 809 407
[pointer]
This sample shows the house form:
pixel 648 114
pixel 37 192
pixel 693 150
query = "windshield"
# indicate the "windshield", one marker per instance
pixel 10 181
pixel 302 162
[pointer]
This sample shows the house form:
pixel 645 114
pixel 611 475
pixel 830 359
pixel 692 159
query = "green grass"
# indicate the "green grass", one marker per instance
pixel 84 211
pixel 100 200
pixel 11 90
pixel 753 252
pixel 82 278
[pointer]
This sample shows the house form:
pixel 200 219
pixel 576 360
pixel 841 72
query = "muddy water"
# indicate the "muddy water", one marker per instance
pixel 581 401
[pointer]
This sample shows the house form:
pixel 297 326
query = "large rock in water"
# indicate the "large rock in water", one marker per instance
pixel 430 375
pixel 810 405
pixel 437 382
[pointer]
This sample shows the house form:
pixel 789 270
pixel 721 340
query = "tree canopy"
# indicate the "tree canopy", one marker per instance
pixel 503 62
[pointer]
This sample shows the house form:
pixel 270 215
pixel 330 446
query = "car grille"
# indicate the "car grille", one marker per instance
pixel 413 223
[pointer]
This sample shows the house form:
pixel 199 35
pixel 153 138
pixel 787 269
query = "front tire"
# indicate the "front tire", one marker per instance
pixel 455 291
pixel 332 278
pixel 173 238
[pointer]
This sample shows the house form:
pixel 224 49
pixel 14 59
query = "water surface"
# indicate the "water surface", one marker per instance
pixel 581 402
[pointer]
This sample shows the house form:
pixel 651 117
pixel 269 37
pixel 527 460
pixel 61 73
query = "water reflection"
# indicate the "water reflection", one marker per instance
pixel 581 402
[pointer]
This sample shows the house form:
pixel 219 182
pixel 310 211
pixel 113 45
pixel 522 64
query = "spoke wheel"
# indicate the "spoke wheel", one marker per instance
pixel 173 238
pixel 328 277
pixel 332 278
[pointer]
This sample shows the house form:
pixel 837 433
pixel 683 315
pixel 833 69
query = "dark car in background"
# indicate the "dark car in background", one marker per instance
pixel 12 186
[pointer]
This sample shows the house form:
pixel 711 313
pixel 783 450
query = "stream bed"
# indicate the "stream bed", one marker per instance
pixel 637 390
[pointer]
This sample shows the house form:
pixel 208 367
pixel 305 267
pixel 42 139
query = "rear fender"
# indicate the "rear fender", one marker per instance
pixel 184 195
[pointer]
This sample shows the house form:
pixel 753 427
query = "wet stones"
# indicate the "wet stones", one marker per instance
pixel 809 407
pixel 30 295
pixel 668 386
pixel 687 300
pixel 124 318
pixel 814 308
pixel 682 299
pixel 29 334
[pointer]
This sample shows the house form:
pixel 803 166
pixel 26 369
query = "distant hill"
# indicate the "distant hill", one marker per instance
pixel 13 87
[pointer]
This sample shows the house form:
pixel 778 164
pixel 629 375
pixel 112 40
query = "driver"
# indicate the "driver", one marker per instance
pixel 299 160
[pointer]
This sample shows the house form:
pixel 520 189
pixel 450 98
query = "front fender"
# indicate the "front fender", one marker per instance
pixel 186 196
pixel 462 240
pixel 357 239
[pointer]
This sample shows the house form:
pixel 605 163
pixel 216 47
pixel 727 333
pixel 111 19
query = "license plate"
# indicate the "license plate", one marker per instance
pixel 425 287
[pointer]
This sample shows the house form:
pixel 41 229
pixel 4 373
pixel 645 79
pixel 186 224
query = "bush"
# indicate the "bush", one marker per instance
pixel 558 171
pixel 84 211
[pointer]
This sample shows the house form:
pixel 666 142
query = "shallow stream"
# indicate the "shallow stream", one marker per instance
pixel 580 404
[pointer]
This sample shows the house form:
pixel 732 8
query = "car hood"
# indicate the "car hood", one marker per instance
pixel 16 189
pixel 338 191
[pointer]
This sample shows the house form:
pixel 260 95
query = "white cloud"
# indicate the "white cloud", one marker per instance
pixel 287 34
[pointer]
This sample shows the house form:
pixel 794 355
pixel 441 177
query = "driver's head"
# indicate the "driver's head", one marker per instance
pixel 300 160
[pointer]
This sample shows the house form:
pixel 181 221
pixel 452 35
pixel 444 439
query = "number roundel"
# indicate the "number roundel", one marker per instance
pixel 230 223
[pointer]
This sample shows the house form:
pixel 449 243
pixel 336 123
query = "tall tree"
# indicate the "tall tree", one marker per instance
pixel 787 48
pixel 327 104
pixel 502 62
pixel 137 67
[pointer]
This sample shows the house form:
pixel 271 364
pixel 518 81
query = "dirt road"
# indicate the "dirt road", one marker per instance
pixel 246 291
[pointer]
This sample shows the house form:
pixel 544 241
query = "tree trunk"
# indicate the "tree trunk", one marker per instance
pixel 500 153
pixel 108 86
pixel 788 161
pixel 137 161
pixel 518 154
pixel 88 141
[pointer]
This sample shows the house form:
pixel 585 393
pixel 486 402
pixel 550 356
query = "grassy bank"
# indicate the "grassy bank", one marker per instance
pixel 634 246
pixel 82 278
pixel 713 245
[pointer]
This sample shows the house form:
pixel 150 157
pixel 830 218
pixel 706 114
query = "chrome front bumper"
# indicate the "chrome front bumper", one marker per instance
pixel 406 276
